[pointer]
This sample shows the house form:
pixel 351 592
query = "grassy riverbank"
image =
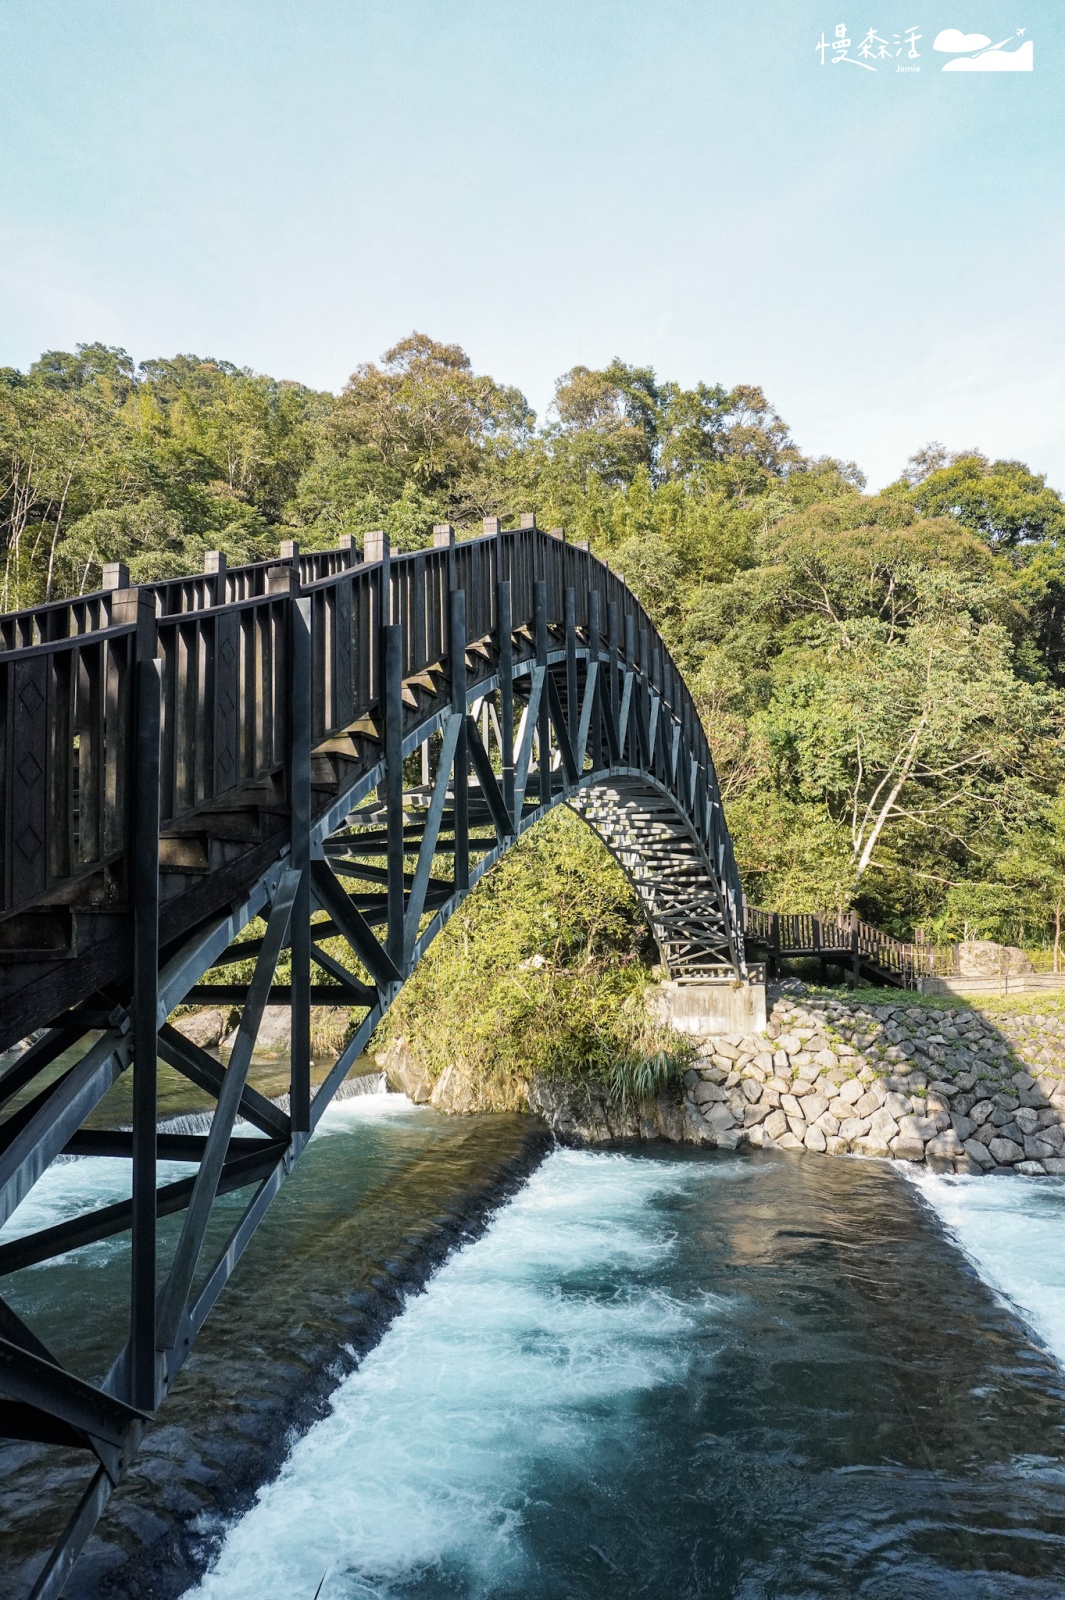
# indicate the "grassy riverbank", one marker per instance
pixel 543 971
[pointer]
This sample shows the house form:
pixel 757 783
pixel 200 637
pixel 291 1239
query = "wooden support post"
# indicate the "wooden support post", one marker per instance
pixel 573 709
pixel 393 786
pixel 629 720
pixel 300 859
pixel 543 726
pixel 144 890
pixel 214 565
pixel 506 692
pixel 378 549
pixel 595 726
pixel 457 660
pixel 613 652
pixel 444 539
pixel 856 958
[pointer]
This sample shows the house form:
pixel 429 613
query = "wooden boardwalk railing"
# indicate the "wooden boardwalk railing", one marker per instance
pixel 845 941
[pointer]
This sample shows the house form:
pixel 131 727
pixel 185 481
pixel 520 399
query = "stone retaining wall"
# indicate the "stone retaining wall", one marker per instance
pixel 896 1080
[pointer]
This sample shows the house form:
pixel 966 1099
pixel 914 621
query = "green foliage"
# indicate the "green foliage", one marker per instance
pixel 543 969
pixel 632 1080
pixel 880 676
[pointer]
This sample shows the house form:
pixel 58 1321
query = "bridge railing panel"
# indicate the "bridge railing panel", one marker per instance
pixel 58 619
pixel 64 732
pixel 223 643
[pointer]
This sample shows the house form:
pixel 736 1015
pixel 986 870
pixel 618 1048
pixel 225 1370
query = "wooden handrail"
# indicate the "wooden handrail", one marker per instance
pixel 807 933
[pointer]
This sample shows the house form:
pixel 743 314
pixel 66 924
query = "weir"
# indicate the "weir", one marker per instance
pixel 339 744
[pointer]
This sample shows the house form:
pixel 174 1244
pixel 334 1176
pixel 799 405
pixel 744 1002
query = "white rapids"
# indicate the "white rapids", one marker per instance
pixel 1012 1231
pixel 514 1358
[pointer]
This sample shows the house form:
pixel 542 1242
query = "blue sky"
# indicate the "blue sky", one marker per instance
pixel 295 184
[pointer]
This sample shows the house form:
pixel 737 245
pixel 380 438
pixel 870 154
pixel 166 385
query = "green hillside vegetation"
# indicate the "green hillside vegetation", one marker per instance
pixel 880 676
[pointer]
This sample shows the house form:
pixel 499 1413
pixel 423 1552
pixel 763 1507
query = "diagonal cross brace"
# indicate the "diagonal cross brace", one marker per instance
pixel 623 714
pixel 524 756
pixel 412 915
pixel 502 821
pixel 351 991
pixel 62 1110
pixel 586 712
pixel 207 1073
pixel 610 728
pixel 554 700
pixel 175 1291
pixel 26 1376
pixel 352 925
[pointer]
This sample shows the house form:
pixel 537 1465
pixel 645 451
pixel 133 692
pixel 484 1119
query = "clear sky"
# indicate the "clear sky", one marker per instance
pixel 295 184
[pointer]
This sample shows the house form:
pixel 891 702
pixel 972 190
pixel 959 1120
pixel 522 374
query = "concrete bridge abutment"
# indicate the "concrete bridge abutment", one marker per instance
pixel 705 1009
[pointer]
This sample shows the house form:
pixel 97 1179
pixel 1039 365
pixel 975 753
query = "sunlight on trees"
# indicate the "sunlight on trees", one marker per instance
pixel 880 675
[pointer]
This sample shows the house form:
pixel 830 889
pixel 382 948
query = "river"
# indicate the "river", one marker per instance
pixel 659 1372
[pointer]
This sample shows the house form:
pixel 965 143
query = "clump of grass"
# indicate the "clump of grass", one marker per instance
pixel 632 1079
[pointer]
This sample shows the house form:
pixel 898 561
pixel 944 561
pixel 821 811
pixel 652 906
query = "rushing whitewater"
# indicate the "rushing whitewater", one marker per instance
pixel 520 1362
pixel 660 1371
pixel 680 1374
pixel 1014 1234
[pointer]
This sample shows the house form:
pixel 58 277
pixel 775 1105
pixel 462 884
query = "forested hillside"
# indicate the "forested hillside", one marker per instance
pixel 880 675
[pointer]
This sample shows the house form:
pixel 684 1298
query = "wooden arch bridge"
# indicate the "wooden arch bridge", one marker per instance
pixel 339 744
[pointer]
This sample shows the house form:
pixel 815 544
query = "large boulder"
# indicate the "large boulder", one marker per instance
pixel 204 1028
pixel 274 1039
pixel 455 1092
pixel 983 958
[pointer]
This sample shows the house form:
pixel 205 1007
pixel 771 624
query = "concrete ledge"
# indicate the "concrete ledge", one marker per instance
pixel 711 1008
pixel 1013 983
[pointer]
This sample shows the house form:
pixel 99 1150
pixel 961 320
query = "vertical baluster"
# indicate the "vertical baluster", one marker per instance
pixel 343 709
pixel 595 727
pixel 299 764
pixel 457 662
pixel 506 691
pixel 629 745
pixel 29 779
pixel 393 785
pixel 573 714
pixel 419 646
pixel 613 651
pixel 62 829
pixel 144 892
pixel 544 712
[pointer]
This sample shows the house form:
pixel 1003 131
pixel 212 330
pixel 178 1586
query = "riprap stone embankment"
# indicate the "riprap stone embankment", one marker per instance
pixel 951 1088
pixel 939 1086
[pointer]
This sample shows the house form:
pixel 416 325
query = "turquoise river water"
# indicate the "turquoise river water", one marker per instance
pixel 658 1372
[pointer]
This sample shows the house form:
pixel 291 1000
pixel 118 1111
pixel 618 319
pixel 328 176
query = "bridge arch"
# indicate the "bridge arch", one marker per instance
pixel 342 744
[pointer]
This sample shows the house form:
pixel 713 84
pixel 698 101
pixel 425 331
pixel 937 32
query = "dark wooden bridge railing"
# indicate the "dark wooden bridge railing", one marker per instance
pixel 66 673
pixel 844 939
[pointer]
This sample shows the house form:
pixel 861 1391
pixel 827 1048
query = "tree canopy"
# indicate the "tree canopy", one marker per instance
pixel 880 675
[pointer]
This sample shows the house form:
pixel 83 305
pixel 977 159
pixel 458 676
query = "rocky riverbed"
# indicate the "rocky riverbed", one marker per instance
pixel 951 1088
